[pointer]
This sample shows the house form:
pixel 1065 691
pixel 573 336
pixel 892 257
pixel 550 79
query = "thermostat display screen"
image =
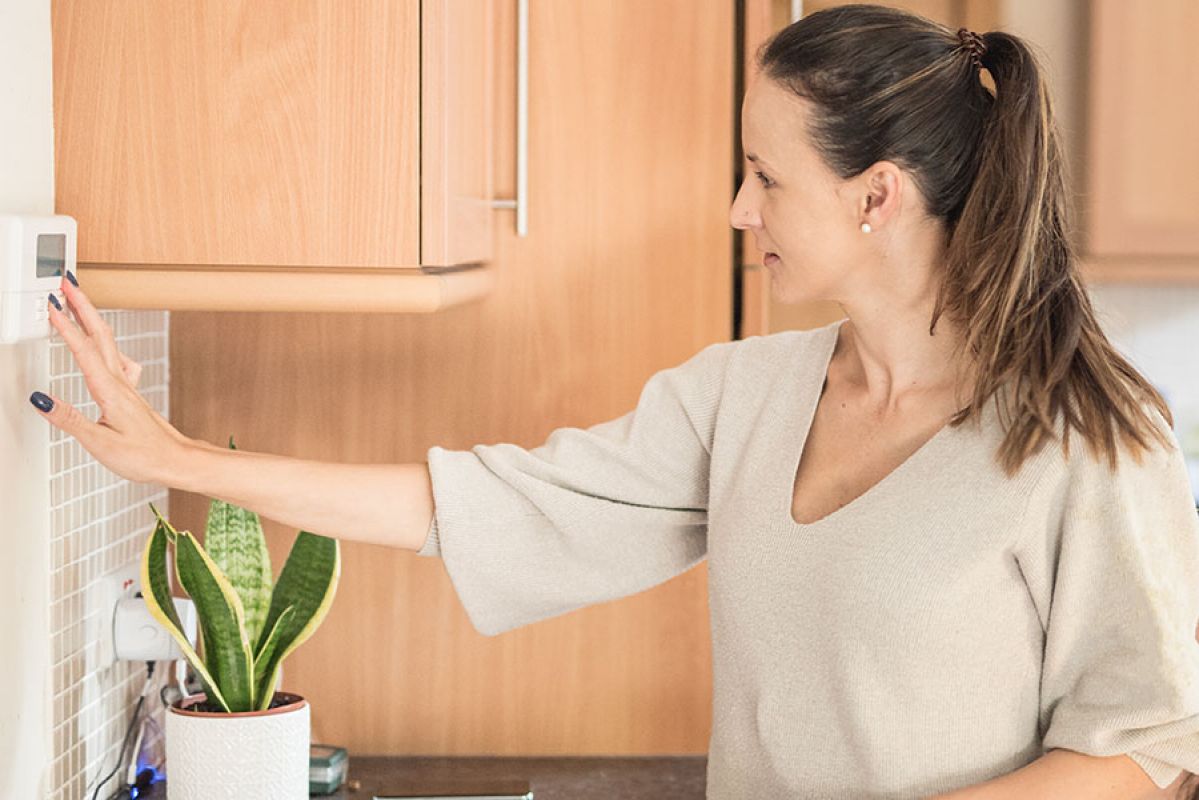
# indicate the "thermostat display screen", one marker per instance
pixel 51 254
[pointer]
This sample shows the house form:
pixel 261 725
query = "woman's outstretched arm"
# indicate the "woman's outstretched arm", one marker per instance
pixel 388 504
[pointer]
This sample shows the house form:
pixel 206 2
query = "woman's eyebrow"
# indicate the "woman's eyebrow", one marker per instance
pixel 757 160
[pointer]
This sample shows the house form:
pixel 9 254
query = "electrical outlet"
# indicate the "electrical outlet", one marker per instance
pixel 99 604
pixel 101 601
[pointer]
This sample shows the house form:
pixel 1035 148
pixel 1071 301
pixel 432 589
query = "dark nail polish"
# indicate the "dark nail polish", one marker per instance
pixel 54 302
pixel 41 401
pixel 71 278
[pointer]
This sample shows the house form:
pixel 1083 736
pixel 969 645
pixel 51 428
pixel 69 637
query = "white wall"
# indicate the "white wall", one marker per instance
pixel 65 521
pixel 27 187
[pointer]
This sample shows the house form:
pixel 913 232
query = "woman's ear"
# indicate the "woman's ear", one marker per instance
pixel 880 194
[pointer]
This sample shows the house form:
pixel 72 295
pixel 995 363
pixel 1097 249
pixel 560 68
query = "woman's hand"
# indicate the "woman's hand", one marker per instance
pixel 130 437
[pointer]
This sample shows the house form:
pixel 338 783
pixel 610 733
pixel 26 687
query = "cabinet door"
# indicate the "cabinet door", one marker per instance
pixel 457 87
pixel 1142 200
pixel 272 133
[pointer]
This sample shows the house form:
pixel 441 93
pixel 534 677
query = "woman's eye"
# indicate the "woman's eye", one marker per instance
pixel 765 181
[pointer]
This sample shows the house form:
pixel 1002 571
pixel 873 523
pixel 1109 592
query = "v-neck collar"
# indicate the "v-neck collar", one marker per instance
pixel 799 426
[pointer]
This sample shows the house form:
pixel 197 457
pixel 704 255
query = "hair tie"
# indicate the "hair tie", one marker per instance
pixel 974 43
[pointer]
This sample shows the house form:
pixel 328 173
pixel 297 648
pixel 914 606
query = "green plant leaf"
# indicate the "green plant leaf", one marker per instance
pixel 156 591
pixel 171 533
pixel 307 583
pixel 262 658
pixel 234 540
pixel 226 647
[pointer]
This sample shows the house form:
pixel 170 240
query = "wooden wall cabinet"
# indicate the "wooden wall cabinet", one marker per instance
pixel 274 155
pixel 1142 201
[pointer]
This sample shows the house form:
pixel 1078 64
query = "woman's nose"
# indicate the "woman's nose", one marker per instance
pixel 743 215
pixel 743 219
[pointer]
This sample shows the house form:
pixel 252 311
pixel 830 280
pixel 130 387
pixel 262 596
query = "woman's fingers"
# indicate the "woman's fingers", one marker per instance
pixel 136 453
pixel 118 403
pixel 129 437
pixel 96 371
pixel 70 420
pixel 92 323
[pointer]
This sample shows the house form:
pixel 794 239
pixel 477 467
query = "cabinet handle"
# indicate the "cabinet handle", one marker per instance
pixel 796 10
pixel 521 203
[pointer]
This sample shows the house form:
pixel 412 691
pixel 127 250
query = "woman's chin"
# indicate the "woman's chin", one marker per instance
pixel 782 290
pixel 785 289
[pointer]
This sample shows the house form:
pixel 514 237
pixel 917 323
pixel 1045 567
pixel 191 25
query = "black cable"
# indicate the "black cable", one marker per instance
pixel 125 743
pixel 121 756
pixel 145 779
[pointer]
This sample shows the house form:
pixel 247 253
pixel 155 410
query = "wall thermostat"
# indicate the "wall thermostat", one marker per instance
pixel 35 251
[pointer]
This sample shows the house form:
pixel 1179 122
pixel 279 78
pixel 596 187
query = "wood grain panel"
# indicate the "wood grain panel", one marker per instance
pixel 1142 116
pixel 204 287
pixel 457 122
pixel 239 131
pixel 626 271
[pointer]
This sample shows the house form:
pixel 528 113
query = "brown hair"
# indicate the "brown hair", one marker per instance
pixel 888 84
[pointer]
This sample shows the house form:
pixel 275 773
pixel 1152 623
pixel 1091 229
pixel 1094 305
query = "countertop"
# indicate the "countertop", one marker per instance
pixel 549 778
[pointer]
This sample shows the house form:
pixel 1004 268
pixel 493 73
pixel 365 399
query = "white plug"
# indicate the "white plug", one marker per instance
pixel 137 636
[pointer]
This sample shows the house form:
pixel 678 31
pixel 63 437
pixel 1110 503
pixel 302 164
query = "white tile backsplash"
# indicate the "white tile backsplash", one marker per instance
pixel 99 524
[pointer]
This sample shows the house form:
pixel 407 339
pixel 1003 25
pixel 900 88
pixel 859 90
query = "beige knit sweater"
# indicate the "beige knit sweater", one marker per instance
pixel 946 627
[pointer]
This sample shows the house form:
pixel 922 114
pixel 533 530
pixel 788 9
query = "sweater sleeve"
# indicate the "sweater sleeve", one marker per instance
pixel 591 515
pixel 1120 581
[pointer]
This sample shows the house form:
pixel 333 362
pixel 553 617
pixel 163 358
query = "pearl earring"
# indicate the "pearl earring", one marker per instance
pixel 865 227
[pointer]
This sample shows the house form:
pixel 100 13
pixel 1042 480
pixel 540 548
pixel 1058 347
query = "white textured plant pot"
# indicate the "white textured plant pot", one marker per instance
pixel 252 754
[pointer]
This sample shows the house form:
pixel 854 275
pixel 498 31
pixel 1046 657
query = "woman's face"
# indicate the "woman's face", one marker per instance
pixel 790 202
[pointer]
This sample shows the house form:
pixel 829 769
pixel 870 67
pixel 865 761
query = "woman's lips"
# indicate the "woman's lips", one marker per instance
pixel 770 259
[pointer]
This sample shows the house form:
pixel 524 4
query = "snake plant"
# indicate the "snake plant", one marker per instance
pixel 247 627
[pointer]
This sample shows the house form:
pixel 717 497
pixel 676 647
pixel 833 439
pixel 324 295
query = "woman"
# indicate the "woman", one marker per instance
pixel 925 618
